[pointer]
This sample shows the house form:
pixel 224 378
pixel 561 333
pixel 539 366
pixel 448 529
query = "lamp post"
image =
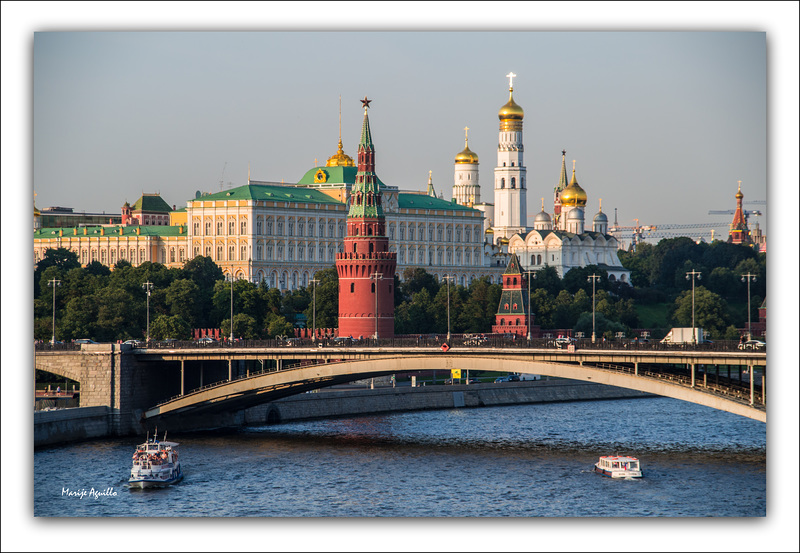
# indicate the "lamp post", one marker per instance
pixel 594 278
pixel 314 282
pixel 448 278
pixel 54 283
pixel 748 278
pixel 148 287
pixel 530 308
pixel 692 274
pixel 376 276
pixel 231 308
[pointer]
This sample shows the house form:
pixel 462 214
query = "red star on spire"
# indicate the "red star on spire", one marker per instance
pixel 365 102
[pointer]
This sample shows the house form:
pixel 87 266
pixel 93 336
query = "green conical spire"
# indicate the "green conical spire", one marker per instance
pixel 513 266
pixel 365 197
pixel 562 181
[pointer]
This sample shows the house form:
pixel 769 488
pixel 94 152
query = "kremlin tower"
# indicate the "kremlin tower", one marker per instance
pixel 562 184
pixel 512 313
pixel 739 233
pixel 366 267
pixel 510 203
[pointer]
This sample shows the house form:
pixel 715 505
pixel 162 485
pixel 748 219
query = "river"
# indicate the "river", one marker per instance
pixel 516 461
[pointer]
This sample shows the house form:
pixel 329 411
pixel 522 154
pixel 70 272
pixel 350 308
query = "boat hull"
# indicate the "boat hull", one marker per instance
pixel 150 482
pixel 618 473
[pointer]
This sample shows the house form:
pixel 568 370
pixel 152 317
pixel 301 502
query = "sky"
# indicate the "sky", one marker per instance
pixel 663 105
pixel 662 125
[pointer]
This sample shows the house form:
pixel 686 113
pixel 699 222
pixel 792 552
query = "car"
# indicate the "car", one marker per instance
pixel 134 343
pixel 513 378
pixel 564 341
pixel 290 342
pixel 752 344
pixel 85 341
pixel 473 381
pixel 205 341
pixel 342 341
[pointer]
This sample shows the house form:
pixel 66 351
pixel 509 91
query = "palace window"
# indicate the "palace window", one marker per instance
pixel 300 228
pixel 181 255
pixel 172 255
pixel 258 253
pixel 243 256
pixel 291 228
pixel 208 251
pixel 258 227
pixel 269 227
pixel 219 253
pixel 231 253
pixel 195 228
pixel 219 227
pixel 243 227
pixel 231 227
pixel 280 228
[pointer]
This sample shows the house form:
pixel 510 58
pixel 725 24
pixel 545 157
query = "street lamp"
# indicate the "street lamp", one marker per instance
pixel 692 274
pixel 748 278
pixel 314 283
pixel 376 276
pixel 530 307
pixel 594 278
pixel 54 283
pixel 448 278
pixel 148 287
pixel 231 308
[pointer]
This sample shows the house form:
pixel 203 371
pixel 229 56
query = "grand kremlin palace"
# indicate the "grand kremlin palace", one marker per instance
pixel 284 233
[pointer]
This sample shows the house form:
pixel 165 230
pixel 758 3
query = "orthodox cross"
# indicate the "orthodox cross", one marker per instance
pixel 510 80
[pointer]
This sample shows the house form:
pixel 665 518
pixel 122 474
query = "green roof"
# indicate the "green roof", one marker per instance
pixel 149 230
pixel 423 201
pixel 264 192
pixel 334 175
pixel 151 202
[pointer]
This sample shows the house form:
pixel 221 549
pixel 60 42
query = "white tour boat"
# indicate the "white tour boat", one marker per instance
pixel 618 466
pixel 155 464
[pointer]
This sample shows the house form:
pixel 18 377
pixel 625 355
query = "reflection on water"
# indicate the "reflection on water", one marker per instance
pixel 516 461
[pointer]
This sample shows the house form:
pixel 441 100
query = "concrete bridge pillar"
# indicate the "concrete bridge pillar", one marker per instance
pixel 182 377
pixel 636 368
pixel 752 384
pixel 692 365
pixel 230 370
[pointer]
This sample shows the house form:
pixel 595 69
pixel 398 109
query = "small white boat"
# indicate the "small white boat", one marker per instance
pixel 618 467
pixel 155 464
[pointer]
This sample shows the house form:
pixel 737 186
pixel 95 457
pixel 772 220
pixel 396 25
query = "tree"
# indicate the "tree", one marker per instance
pixel 277 325
pixel 547 278
pixel 166 326
pixel 710 311
pixel 182 300
pixel 417 279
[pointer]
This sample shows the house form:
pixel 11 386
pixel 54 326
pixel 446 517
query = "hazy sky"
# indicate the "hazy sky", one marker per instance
pixel 662 124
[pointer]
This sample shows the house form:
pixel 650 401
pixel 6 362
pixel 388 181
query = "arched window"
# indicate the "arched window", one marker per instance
pixel 502 182
pixel 352 287
pixel 505 307
pixel 513 181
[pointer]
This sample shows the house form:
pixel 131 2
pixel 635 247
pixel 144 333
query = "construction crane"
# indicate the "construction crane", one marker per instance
pixel 747 213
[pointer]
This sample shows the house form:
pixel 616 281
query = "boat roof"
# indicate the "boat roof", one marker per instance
pixel 170 444
pixel 619 458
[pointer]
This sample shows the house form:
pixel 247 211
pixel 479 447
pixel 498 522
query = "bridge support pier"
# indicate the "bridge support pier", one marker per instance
pixel 705 377
pixel 692 365
pixel 201 374
pixel 763 387
pixel 230 370
pixel 636 368
pixel 183 380
pixel 750 368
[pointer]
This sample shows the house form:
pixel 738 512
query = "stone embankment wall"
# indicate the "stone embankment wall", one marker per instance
pixel 69 425
pixel 325 404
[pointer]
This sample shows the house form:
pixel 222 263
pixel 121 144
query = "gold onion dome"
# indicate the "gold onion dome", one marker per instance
pixel 340 159
pixel 573 194
pixel 739 194
pixel 511 110
pixel 467 156
pixel 503 241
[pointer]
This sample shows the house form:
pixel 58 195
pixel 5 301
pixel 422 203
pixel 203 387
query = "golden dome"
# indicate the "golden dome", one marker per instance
pixel 739 194
pixel 503 241
pixel 340 159
pixel 573 195
pixel 511 110
pixel 467 156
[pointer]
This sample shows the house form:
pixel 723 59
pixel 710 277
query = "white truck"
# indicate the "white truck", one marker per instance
pixel 684 336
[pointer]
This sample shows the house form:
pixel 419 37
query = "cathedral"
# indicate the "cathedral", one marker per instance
pixel 560 239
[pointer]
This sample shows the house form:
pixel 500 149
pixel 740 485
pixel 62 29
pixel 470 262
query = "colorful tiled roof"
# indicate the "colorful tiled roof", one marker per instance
pixel 151 202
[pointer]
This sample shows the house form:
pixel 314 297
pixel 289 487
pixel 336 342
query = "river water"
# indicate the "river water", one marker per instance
pixel 515 461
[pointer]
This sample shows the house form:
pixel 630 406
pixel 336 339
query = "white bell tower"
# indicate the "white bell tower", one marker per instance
pixel 510 186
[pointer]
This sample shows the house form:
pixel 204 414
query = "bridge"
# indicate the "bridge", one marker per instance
pixel 683 374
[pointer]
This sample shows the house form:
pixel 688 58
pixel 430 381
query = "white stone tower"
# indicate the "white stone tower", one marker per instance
pixel 510 201
pixel 466 189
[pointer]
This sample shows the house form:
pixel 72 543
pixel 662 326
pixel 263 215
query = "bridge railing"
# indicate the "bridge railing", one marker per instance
pixel 423 341
pixel 729 388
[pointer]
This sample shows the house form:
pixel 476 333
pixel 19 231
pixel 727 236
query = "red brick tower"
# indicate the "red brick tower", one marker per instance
pixel 512 313
pixel 366 267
